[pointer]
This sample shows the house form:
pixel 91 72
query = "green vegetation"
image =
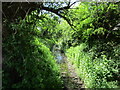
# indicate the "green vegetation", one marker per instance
pixel 95 69
pixel 97 55
pixel 88 34
pixel 28 63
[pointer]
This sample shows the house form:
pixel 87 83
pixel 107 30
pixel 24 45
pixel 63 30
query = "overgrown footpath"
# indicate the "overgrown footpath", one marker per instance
pixel 71 81
pixel 89 35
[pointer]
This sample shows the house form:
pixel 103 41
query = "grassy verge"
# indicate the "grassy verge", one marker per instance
pixel 96 69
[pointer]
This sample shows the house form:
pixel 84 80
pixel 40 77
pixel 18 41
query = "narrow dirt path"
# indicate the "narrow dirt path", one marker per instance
pixel 70 79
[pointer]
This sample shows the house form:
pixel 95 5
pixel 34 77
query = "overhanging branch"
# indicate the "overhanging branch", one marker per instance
pixel 56 11
pixel 12 11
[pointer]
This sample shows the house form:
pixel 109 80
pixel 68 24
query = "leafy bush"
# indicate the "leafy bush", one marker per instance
pixel 96 52
pixel 96 72
pixel 96 20
pixel 27 62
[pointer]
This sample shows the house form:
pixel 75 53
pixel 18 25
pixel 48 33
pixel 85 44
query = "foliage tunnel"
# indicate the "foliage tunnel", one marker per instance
pixel 89 35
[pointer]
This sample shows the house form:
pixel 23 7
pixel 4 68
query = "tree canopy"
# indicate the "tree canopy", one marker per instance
pixel 88 34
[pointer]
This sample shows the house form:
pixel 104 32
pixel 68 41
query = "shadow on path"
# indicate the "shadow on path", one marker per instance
pixel 70 79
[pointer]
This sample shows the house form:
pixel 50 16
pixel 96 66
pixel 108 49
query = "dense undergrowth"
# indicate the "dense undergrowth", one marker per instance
pixel 95 67
pixel 89 37
pixel 96 55
pixel 27 62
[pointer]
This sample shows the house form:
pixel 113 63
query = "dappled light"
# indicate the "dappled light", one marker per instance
pixel 61 45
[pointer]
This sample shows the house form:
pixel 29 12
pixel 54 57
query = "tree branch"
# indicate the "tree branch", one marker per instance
pixel 56 11
pixel 9 10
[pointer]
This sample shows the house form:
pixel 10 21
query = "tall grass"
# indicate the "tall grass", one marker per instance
pixel 95 71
